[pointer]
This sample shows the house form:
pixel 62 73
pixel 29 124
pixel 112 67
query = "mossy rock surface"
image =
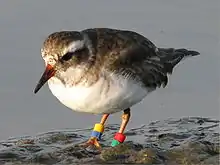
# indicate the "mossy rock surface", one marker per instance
pixel 186 141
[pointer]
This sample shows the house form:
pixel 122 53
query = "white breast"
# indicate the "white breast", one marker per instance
pixel 105 96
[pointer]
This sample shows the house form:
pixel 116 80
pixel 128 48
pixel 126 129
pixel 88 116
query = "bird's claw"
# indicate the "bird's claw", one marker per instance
pixel 91 144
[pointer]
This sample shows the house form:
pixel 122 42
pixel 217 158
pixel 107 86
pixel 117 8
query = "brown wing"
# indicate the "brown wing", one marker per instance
pixel 141 63
pixel 134 56
pixel 150 66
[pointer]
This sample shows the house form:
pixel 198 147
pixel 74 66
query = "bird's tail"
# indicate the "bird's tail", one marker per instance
pixel 171 57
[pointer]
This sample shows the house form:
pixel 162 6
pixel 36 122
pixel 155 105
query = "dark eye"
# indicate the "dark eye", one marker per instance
pixel 67 56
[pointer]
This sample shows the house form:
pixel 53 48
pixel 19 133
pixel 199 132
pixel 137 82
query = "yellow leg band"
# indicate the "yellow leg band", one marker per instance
pixel 99 128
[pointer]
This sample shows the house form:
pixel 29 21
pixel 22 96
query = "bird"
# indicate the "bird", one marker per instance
pixel 105 71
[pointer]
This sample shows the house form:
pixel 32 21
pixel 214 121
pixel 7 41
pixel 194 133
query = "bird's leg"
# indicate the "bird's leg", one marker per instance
pixel 97 133
pixel 104 118
pixel 119 136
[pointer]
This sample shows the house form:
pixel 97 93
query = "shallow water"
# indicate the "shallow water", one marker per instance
pixel 173 141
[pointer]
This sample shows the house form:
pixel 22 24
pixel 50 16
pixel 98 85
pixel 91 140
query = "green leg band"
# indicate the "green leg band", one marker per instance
pixel 115 143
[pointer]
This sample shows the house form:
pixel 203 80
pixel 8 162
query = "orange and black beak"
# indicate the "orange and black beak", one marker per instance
pixel 48 73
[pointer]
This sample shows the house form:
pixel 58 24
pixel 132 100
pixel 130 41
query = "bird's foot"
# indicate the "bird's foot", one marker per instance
pixel 92 144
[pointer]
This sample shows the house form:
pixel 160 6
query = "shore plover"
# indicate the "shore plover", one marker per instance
pixel 104 71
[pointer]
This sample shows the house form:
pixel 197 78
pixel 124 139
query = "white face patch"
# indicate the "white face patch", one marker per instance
pixel 75 45
pixel 49 59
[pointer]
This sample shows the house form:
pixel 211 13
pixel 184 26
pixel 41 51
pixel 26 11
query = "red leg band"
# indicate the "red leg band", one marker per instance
pixel 120 137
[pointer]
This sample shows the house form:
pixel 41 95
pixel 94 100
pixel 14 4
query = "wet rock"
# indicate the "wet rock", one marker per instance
pixel 130 153
pixel 123 153
pixel 183 141
pixel 193 153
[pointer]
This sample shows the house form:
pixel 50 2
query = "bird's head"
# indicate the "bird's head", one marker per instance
pixel 62 51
